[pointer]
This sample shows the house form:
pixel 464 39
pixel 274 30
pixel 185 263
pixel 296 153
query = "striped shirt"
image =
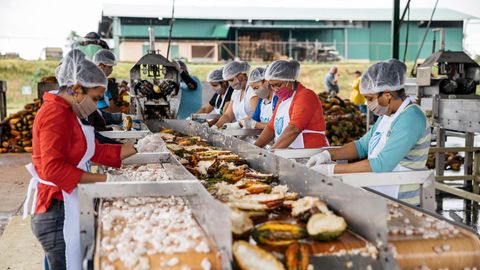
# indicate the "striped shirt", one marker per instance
pixel 407 145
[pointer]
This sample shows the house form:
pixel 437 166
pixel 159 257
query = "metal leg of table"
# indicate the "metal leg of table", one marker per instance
pixel 440 163
pixel 468 170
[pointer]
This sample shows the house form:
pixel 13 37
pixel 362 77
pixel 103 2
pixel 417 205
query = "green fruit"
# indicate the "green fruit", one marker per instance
pixel 276 233
pixel 326 227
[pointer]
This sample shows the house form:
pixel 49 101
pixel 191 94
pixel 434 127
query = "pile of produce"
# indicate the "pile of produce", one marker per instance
pixel 453 161
pixel 273 227
pixel 16 130
pixel 344 120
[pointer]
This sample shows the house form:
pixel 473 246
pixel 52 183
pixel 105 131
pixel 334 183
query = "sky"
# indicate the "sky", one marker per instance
pixel 28 26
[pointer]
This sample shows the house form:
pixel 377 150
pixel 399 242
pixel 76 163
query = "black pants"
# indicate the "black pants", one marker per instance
pixel 48 228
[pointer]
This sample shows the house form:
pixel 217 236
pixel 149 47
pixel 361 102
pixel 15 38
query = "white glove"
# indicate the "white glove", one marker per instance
pixel 234 125
pixel 248 123
pixel 116 128
pixel 188 118
pixel 320 158
pixel 214 127
pixel 325 169
pixel 116 178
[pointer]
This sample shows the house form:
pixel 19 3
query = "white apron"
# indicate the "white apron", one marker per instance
pixel 379 140
pixel 219 109
pixel 71 225
pixel 282 119
pixel 240 106
pixel 266 111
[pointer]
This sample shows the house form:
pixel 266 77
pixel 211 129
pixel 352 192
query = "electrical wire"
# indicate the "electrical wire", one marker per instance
pixel 407 32
pixel 171 26
pixel 423 40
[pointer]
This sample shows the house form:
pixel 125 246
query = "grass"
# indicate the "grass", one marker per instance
pixel 19 73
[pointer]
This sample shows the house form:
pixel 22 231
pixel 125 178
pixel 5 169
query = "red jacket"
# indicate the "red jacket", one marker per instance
pixel 58 146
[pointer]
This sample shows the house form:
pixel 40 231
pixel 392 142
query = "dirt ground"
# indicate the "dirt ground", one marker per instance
pixel 18 247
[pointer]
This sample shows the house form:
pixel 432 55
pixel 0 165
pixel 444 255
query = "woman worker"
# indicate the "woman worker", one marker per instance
pixel 62 150
pixel 222 96
pixel 399 140
pixel 243 100
pixel 298 119
pixel 266 100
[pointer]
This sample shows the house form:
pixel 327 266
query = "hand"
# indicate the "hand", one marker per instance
pixel 214 127
pixel 117 178
pixel 248 123
pixel 206 124
pixel 320 158
pixel 116 128
pixel 325 169
pixel 234 125
pixel 188 118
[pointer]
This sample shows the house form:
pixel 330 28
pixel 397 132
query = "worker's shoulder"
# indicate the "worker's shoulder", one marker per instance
pixel 306 93
pixel 413 114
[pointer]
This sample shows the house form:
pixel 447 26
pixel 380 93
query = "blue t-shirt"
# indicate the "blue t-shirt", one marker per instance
pixel 191 99
pixel 406 130
pixel 104 103
pixel 258 109
pixel 329 86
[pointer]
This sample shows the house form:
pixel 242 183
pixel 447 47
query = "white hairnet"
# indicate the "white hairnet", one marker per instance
pixel 90 75
pixel 283 70
pixel 234 68
pixel 65 73
pixel 383 76
pixel 105 57
pixel 257 75
pixel 215 75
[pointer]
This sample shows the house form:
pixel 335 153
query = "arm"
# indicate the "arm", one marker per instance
pixel 112 154
pixel 356 167
pixel 226 117
pixel 260 125
pixel 206 109
pixel 191 83
pixel 287 137
pixel 266 136
pixel 252 105
pixel 346 152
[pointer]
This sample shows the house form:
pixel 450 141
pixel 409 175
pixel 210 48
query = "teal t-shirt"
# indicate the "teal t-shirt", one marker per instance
pixel 191 100
pixel 406 130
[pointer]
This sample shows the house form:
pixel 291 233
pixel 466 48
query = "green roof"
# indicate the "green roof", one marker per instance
pixel 211 29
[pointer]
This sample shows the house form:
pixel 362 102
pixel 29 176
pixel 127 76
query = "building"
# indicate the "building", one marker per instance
pixel 205 34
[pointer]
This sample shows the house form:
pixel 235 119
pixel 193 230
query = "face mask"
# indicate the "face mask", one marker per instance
pixel 236 84
pixel 262 92
pixel 86 107
pixel 377 108
pixel 219 90
pixel 284 93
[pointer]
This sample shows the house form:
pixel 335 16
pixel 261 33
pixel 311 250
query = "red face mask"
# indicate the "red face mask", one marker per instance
pixel 284 93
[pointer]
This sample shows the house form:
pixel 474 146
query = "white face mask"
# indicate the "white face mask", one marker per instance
pixel 377 108
pixel 236 84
